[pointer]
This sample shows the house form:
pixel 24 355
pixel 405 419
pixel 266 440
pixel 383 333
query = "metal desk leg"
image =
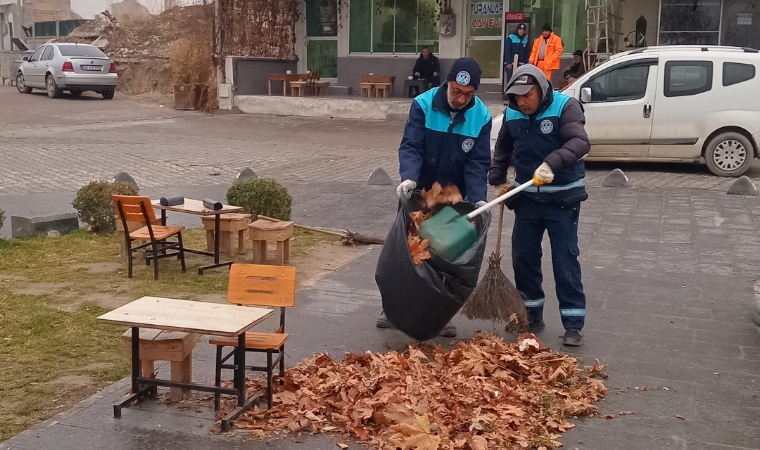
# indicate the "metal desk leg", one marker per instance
pixel 137 394
pixel 240 369
pixel 217 232
pixel 163 217
pixel 243 404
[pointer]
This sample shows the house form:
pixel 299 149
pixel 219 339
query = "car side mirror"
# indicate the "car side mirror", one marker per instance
pixel 586 95
pixel 25 58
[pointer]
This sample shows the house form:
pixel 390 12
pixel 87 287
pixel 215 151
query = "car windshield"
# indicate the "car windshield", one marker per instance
pixel 86 51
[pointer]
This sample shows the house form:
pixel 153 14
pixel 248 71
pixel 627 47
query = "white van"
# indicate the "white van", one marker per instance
pixel 674 104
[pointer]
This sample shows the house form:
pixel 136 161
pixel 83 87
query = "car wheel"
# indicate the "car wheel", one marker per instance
pixel 75 93
pixel 21 84
pixel 108 94
pixel 52 87
pixel 729 154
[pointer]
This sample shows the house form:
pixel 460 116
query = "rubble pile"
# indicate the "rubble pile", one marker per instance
pixel 484 393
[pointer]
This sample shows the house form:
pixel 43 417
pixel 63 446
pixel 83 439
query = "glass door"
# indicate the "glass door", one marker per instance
pixel 484 37
pixel 322 37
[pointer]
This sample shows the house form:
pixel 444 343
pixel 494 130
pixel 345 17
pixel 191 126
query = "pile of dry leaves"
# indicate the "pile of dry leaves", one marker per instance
pixel 483 394
pixel 437 195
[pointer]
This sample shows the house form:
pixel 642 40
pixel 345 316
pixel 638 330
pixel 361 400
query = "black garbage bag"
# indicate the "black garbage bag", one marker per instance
pixel 421 299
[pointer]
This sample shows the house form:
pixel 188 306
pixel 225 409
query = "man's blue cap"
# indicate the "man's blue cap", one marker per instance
pixel 466 72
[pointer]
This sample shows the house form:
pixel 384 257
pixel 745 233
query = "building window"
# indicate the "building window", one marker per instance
pixel 694 22
pixel 393 26
pixel 687 77
pixel 734 73
pixel 566 17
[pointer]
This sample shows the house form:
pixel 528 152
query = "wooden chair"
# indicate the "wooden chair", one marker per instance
pixel 258 285
pixel 139 209
pixel 382 89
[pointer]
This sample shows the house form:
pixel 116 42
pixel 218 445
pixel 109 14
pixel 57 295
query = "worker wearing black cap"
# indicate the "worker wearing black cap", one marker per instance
pixel 544 137
pixel 547 51
pixel 517 44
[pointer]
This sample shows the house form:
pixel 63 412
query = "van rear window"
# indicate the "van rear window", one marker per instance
pixel 85 51
pixel 734 73
pixel 687 78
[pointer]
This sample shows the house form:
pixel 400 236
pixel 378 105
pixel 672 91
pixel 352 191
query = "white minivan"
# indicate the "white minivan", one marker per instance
pixel 674 104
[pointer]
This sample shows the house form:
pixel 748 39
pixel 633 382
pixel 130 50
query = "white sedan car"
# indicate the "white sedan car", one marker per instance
pixel 68 67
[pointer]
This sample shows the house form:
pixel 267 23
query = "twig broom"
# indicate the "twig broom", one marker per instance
pixel 495 297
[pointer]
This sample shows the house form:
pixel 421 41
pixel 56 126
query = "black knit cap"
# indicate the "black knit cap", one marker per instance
pixel 546 27
pixel 465 71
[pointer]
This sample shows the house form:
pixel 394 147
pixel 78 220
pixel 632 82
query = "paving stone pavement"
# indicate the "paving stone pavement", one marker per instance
pixel 59 145
pixel 669 268
pixel 669 276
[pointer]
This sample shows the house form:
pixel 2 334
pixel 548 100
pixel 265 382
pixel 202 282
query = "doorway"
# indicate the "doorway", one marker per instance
pixel 484 38
pixel 322 37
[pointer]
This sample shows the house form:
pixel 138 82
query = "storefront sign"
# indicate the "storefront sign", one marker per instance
pixel 487 8
pixel 493 9
pixel 514 17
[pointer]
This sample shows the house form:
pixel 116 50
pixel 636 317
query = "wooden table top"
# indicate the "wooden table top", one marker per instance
pixel 196 207
pixel 286 77
pixel 188 316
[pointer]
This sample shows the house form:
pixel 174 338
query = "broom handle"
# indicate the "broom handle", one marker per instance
pixel 501 223
pixel 493 203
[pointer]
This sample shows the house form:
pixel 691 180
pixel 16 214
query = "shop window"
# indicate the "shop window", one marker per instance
pixel 393 26
pixel 734 73
pixel 620 84
pixel 687 78
pixel 694 22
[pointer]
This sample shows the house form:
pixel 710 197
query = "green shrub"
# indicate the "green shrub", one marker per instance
pixel 2 217
pixel 261 196
pixel 94 205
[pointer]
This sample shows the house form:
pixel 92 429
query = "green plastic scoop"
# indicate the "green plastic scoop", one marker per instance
pixel 451 234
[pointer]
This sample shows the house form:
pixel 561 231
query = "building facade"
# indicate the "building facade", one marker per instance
pixel 345 39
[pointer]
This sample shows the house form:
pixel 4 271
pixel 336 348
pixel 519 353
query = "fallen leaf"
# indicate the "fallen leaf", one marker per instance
pixel 478 443
pixel 641 388
pixel 343 446
pixel 609 416
pixel 416 435
pixel 680 416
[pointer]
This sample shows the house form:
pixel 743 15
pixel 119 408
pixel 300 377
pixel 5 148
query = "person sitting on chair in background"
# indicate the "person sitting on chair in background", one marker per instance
pixel 546 52
pixel 427 67
pixel 576 69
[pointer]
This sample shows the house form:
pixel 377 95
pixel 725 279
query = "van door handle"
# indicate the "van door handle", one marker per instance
pixel 647 110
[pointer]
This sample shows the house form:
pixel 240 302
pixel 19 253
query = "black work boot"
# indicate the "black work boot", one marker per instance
pixel 449 331
pixel 382 322
pixel 537 325
pixel 573 338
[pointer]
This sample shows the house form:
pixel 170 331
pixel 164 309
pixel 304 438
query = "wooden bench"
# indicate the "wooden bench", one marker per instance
pixel 263 231
pixel 368 89
pixel 309 85
pixel 229 225
pixel 159 345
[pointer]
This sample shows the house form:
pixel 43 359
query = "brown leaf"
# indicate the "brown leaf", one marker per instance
pixel 418 249
pixel 417 435
pixel 440 195
pixel 343 446
pixel 609 416
pixel 478 443
pixel 680 417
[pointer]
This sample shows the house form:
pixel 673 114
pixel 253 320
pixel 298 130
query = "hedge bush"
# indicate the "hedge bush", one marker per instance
pixel 94 206
pixel 261 196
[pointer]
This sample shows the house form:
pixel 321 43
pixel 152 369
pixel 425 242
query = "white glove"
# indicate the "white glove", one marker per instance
pixel 543 175
pixel 405 188
pixel 480 203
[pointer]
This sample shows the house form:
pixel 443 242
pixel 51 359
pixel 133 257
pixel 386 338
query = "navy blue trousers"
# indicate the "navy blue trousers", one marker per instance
pixel 532 218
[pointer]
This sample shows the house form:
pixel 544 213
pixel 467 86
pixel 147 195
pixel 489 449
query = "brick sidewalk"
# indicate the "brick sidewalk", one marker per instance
pixel 669 276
